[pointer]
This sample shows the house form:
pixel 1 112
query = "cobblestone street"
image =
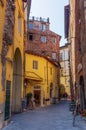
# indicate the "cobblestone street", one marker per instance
pixel 54 117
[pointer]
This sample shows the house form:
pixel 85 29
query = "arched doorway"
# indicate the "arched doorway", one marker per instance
pixel 62 90
pixel 17 82
pixel 82 93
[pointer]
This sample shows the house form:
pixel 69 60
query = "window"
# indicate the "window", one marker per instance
pixel 35 64
pixel 43 52
pixel 51 71
pixel 54 40
pixel 43 39
pixel 31 37
pixel 61 56
pixel 54 56
pixel 47 89
pixel 19 24
pixel 30 25
pixel 43 27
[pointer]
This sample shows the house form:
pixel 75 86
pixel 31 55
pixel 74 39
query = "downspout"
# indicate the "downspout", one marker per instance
pixel 47 71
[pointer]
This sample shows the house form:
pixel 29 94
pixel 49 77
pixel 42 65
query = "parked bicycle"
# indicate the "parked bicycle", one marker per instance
pixel 76 112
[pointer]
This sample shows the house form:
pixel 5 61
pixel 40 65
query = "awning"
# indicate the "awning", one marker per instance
pixel 33 76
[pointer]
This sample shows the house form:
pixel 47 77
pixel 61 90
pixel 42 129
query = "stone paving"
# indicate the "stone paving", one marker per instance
pixel 54 117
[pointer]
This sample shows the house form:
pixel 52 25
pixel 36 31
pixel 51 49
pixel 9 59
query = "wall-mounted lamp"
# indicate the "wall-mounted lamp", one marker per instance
pixel 25 83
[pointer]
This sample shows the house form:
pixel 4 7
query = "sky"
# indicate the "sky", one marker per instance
pixel 54 9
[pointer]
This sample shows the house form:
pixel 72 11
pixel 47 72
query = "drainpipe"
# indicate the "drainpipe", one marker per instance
pixel 47 71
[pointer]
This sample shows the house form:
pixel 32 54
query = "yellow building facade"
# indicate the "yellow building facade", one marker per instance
pixel 65 70
pixel 11 57
pixel 2 14
pixel 41 78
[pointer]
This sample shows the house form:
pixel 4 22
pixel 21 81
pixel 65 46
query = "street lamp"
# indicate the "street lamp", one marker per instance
pixel 25 86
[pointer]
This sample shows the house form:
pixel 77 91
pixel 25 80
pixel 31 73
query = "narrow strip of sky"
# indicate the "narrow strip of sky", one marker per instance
pixel 54 9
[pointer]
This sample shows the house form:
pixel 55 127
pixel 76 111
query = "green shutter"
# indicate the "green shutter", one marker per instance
pixel 7 102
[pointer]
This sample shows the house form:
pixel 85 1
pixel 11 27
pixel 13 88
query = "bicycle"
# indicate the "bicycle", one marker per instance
pixel 76 112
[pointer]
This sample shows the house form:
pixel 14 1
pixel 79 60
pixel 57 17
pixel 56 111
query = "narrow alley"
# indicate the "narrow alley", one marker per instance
pixel 54 117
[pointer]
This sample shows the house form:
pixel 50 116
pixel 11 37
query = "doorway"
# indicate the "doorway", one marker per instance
pixel 37 97
pixel 82 93
pixel 17 82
